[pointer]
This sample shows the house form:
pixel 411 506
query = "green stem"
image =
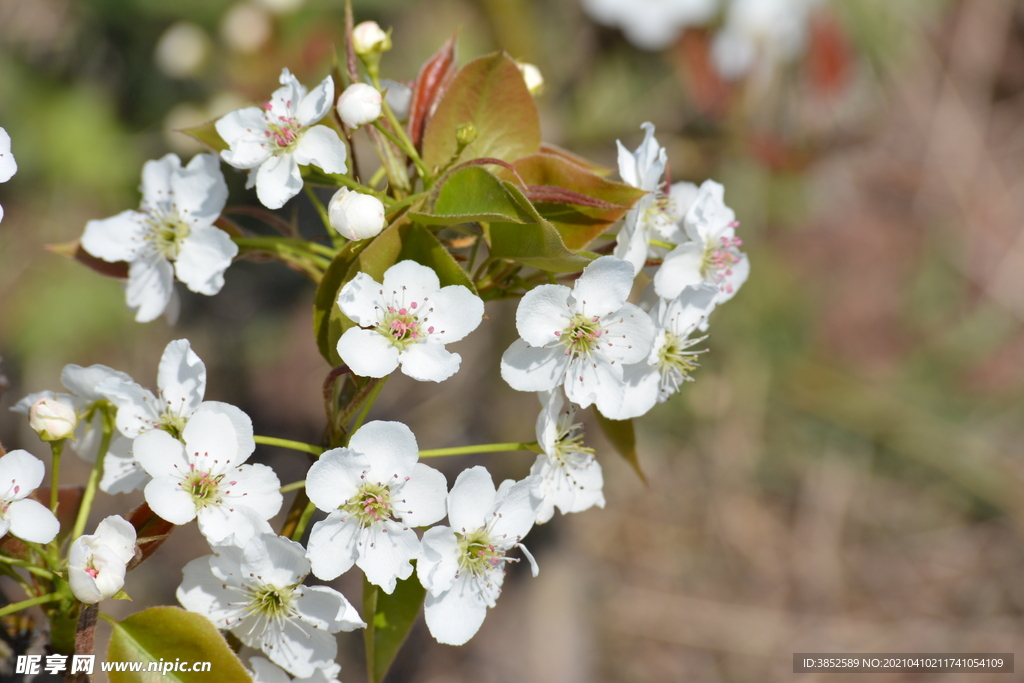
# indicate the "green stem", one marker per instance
pixel 662 244
pixel 367 405
pixel 294 486
pixel 32 569
pixel 288 443
pixel 404 143
pixel 480 448
pixel 95 476
pixel 56 447
pixel 319 206
pixel 300 528
pixel 31 602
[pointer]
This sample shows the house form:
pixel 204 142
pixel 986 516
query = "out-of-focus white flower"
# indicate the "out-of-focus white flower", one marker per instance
pixel 406 322
pixel 8 166
pixel 368 37
pixel 273 141
pixel 265 671
pixel 52 420
pixel 359 105
pixel 356 216
pixel 566 475
pixel 281 6
pixel 256 592
pixel 533 77
pixel 120 471
pixel 172 234
pixel 463 566
pixel 182 49
pixel 375 492
pixel 398 96
pixel 246 27
pixel 651 24
pixel 97 562
pixel 712 253
pixel 760 32
pixel 671 362
pixel 580 337
pixel 20 475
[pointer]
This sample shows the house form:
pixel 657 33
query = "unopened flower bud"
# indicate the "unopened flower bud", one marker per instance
pixel 368 37
pixel 465 133
pixel 52 420
pixel 359 105
pixel 532 76
pixel 355 215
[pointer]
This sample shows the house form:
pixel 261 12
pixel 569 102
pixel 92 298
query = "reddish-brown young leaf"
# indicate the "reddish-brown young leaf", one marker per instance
pixel 593 167
pixel 151 532
pixel 74 250
pixel 434 77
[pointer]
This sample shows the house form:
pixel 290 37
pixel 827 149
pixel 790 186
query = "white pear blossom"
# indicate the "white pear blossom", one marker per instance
pixel 356 216
pixel 566 475
pixel 97 563
pixel 121 473
pixel 256 592
pixel 406 322
pixel 758 34
pixel 656 216
pixel 398 96
pixel 651 24
pixel 712 255
pixel 181 379
pixel 580 337
pixel 359 105
pixel 671 362
pixel 375 491
pixel 20 475
pixel 52 420
pixel 8 166
pixel 172 234
pixel 265 671
pixel 273 141
pixel 532 76
pixel 369 37
pixel 463 566
pixel 202 477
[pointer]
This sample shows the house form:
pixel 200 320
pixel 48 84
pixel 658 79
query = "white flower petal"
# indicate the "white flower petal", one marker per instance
pixel 328 610
pixel 181 377
pixel 117 238
pixel 528 368
pixel 204 256
pixel 321 146
pixel 513 514
pixel 367 352
pixel 390 449
pixel 150 282
pixel 360 300
pixel 333 546
pixel 21 473
pixel 160 454
pixel 8 167
pixel 210 439
pixel 335 478
pixel 156 179
pixel 681 268
pixel 603 287
pixel 411 281
pixel 543 313
pixel 455 313
pixel 200 191
pixel 387 554
pixel 423 497
pixel 278 180
pixel 429 361
pixel 457 614
pixel 32 521
pixel 241 422
pixel 471 499
pixel 439 559
pixel 314 106
pixel 169 500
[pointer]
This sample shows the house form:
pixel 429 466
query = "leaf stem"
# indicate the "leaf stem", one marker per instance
pixel 294 486
pixel 480 448
pixel 97 473
pixel 663 244
pixel 319 206
pixel 288 443
pixel 33 569
pixel 404 143
pixel 300 528
pixel 367 405
pixel 31 602
pixel 56 447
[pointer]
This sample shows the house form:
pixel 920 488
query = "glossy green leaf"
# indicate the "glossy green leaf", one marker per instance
pixel 388 621
pixel 473 194
pixel 399 242
pixel 170 634
pixel 489 93
pixel 207 134
pixel 580 204
pixel 623 437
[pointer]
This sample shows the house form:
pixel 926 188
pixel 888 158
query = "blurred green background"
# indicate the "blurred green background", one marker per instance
pixel 844 475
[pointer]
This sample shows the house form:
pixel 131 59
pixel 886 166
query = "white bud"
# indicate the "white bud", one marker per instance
pixel 359 105
pixel 52 420
pixel 398 96
pixel 368 37
pixel 532 76
pixel 355 215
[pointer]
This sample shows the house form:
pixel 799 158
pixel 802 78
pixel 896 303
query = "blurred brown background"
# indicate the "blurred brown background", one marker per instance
pixel 844 475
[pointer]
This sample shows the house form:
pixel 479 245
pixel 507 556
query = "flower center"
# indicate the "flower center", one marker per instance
pixel 271 601
pixel 569 449
pixel 204 487
pixel 282 131
pixel 371 504
pixel 167 232
pixel 675 363
pixel 719 260
pixel 402 327
pixel 172 423
pixel 478 555
pixel 658 215
pixel 582 336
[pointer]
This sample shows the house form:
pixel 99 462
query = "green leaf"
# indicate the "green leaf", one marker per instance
pixel 399 242
pixel 389 619
pixel 168 634
pixel 473 194
pixel 207 134
pixel 623 437
pixel 580 204
pixel 489 93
